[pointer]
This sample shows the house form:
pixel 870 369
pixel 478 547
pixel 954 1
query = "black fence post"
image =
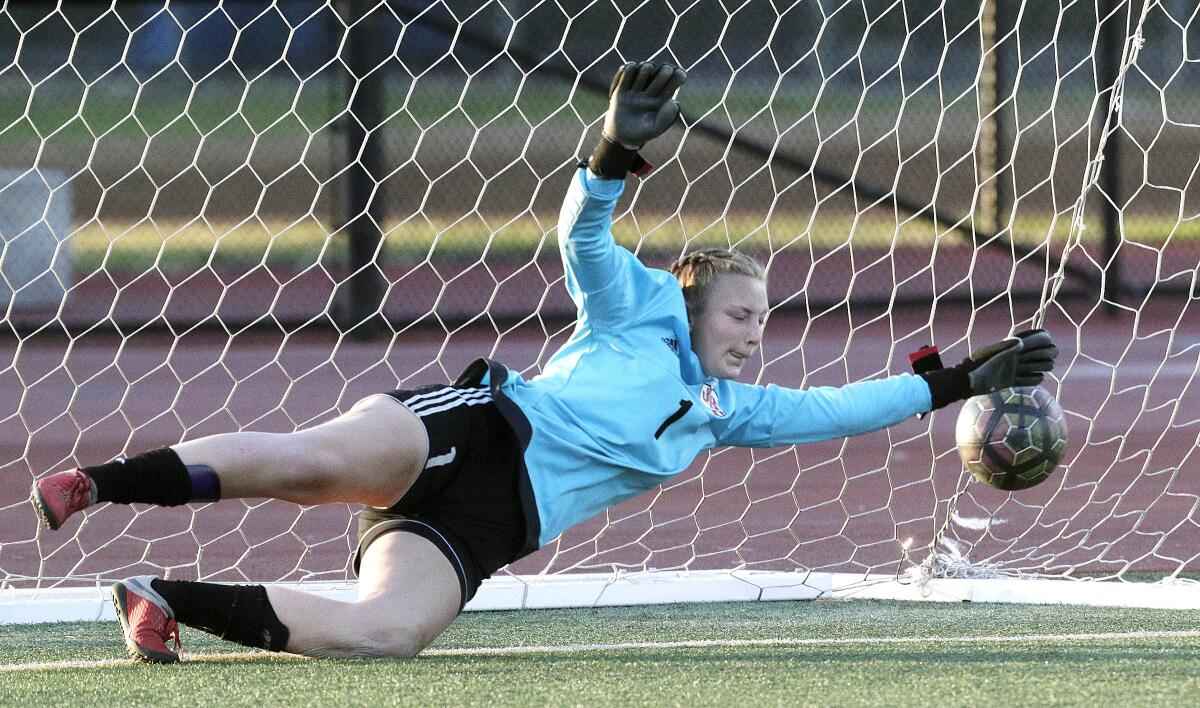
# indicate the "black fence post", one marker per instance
pixel 1005 169
pixel 365 209
pixel 1112 42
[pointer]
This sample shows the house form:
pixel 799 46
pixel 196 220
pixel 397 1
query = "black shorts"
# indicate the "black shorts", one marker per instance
pixel 467 500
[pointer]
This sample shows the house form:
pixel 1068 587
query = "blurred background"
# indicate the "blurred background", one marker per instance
pixel 320 164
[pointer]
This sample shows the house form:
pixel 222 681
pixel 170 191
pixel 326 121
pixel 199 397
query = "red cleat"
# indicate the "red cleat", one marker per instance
pixel 61 494
pixel 146 620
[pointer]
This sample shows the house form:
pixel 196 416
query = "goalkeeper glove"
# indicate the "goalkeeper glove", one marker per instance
pixel 1020 360
pixel 641 107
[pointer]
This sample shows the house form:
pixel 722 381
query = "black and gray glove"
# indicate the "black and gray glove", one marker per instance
pixel 1038 346
pixel 641 107
pixel 1020 360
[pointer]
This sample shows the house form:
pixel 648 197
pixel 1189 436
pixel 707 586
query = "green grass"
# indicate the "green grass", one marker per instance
pixel 186 247
pixel 1108 671
pixel 71 111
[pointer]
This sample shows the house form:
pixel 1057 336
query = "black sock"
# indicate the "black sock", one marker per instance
pixel 155 477
pixel 237 613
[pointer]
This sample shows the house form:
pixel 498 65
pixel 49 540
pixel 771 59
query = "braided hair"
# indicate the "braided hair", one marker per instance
pixel 696 271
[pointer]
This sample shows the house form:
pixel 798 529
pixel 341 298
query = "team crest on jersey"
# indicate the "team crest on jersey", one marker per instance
pixel 708 396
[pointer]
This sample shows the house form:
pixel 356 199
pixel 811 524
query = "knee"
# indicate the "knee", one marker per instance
pixel 393 641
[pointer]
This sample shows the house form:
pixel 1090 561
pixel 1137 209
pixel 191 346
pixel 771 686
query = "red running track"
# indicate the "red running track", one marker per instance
pixel 1126 500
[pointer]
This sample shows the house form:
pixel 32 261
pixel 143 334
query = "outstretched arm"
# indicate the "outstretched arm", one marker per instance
pixel 772 415
pixel 641 107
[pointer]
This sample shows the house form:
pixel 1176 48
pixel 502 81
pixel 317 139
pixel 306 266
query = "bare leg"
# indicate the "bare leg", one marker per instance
pixel 408 595
pixel 369 455
pixel 409 592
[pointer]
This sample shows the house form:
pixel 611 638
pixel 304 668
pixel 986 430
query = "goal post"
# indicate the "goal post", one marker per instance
pixel 249 215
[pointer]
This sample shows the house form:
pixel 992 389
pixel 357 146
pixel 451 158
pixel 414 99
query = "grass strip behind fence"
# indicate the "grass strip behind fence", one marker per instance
pixel 189 246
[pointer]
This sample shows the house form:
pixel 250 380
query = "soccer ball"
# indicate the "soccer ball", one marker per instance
pixel 1012 439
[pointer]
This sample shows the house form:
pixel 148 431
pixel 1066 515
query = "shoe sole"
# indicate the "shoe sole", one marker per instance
pixel 136 650
pixel 43 512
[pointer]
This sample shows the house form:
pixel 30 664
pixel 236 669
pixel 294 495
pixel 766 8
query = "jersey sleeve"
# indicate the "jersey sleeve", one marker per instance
pixel 600 274
pixel 771 416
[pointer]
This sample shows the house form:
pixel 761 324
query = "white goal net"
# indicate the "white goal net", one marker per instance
pixel 246 216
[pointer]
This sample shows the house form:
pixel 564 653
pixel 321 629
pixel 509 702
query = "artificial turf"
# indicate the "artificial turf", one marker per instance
pixel 955 660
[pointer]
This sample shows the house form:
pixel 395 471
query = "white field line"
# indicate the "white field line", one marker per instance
pixel 687 644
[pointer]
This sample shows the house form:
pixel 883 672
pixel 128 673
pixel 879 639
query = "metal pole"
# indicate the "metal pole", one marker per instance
pixel 1112 40
pixel 1003 149
pixel 988 179
pixel 365 213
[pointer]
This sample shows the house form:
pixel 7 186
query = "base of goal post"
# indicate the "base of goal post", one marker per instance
pixel 21 606
pixel 1176 594
pixel 511 592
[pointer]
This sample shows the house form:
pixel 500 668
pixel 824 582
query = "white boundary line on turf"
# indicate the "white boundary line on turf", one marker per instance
pixel 706 643
pixel 686 644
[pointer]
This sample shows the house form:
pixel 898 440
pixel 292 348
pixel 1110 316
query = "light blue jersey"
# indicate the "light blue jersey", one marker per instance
pixel 624 405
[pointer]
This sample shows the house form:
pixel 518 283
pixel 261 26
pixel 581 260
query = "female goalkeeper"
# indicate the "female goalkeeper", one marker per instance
pixel 462 480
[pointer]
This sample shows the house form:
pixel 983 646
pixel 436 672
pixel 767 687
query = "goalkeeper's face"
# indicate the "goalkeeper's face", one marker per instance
pixel 729 328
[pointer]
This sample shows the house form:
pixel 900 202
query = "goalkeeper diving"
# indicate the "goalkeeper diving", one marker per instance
pixel 461 480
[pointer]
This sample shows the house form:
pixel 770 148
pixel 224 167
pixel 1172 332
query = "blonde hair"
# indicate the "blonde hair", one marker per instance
pixel 697 270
